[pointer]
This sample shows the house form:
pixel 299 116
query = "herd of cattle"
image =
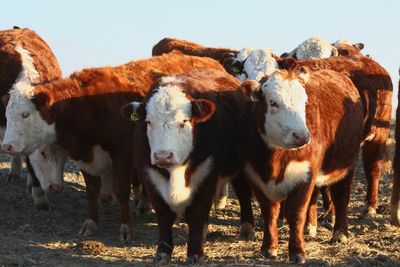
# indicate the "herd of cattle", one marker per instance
pixel 185 122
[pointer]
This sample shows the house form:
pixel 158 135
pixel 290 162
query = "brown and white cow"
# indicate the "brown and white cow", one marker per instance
pixel 25 59
pixel 331 107
pixel 80 113
pixel 185 146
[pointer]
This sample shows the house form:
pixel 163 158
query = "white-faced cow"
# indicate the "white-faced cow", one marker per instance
pixel 322 116
pixel 313 48
pixel 25 59
pixel 185 145
pixel 79 113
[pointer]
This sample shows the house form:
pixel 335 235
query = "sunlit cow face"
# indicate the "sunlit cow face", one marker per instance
pixel 285 100
pixel 26 129
pixel 48 165
pixel 171 117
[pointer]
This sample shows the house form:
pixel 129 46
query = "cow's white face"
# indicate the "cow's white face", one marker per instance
pixel 169 128
pixel 26 129
pixel 285 118
pixel 48 165
pixel 315 48
pixel 257 63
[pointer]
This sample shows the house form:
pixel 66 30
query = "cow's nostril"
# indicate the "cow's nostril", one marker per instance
pixel 169 157
pixel 6 147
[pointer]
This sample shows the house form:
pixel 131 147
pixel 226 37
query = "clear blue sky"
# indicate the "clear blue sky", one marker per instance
pixel 96 33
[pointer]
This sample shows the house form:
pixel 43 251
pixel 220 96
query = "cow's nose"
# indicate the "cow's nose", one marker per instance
pixel 301 138
pixel 163 157
pixel 7 148
pixel 55 188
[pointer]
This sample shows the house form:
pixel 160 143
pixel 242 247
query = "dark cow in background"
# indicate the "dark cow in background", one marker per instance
pixel 25 59
pixel 395 200
pixel 331 107
pixel 80 113
pixel 185 146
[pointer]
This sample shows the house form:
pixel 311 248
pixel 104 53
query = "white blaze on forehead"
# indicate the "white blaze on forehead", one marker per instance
pixel 313 48
pixel 166 110
pixel 286 112
pixel 257 63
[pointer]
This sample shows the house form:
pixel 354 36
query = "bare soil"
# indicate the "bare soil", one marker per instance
pixel 30 237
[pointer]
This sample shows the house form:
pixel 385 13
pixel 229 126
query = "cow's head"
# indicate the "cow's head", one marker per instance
pixel 251 64
pixel 27 128
pixel 48 166
pixel 170 116
pixel 280 108
pixel 346 48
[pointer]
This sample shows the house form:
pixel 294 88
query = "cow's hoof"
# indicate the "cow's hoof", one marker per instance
pixel 89 228
pixel 44 205
pixel 311 230
pixel 247 232
pixel 369 212
pixel 143 207
pixel 298 258
pixel 395 214
pixel 126 233
pixel 339 236
pixel 195 259
pixel 40 200
pixel 105 198
pixel 12 177
pixel 271 253
pixel 162 258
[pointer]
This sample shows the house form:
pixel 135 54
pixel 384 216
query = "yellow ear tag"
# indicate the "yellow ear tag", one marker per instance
pixel 235 69
pixel 135 116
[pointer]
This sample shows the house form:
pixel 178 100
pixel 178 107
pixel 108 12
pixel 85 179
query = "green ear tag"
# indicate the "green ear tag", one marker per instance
pixel 135 116
pixel 235 69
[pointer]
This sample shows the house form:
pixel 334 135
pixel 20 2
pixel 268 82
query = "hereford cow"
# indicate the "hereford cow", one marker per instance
pixel 331 107
pixel 25 59
pixel 313 48
pixel 395 200
pixel 79 113
pixel 345 48
pixel 185 146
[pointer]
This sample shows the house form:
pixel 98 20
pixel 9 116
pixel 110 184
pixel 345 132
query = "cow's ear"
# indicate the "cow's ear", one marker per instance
pixel 358 46
pixel 225 56
pixel 133 112
pixel 202 110
pixel 4 99
pixel 233 66
pixel 288 63
pixel 284 55
pixel 252 89
pixel 42 100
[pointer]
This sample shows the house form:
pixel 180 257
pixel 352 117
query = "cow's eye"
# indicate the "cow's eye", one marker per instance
pixel 182 124
pixel 273 104
pixel 43 154
pixel 25 115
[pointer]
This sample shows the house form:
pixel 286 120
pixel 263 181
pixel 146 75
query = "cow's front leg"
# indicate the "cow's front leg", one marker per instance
pixel 122 174
pixel 296 212
pixel 270 213
pixel 93 183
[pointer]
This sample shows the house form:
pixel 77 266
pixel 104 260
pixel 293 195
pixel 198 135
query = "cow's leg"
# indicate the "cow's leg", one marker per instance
pixel 122 174
pixel 165 221
pixel 40 200
pixel 106 190
pixel 243 192
pixel 312 215
pixel 296 212
pixel 341 197
pixel 329 212
pixel 93 184
pixel 140 200
pixel 15 170
pixel 372 153
pixel 222 197
pixel 196 216
pixel 395 199
pixel 270 213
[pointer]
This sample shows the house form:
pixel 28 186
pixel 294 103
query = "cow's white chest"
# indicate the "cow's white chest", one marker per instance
pixel 295 173
pixel 100 164
pixel 324 179
pixel 174 190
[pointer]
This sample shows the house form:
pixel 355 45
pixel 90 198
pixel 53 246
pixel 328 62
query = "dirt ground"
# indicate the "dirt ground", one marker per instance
pixel 32 237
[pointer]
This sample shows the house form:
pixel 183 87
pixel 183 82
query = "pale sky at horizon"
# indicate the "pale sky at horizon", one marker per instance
pixel 97 33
